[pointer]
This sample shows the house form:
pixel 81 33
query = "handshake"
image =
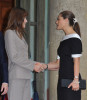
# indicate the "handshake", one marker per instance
pixel 40 67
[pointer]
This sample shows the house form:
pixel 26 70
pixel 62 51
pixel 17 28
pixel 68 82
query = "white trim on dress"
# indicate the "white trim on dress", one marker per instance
pixel 74 35
pixel 58 57
pixel 76 55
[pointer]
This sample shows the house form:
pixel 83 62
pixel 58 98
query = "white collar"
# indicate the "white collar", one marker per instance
pixel 74 35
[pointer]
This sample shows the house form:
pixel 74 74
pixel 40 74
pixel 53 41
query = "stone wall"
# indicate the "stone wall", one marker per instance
pixel 79 8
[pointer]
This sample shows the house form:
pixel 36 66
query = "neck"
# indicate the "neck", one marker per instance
pixel 69 30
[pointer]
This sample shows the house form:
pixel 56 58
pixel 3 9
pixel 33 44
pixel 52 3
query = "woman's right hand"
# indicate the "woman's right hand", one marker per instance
pixel 37 67
pixel 75 85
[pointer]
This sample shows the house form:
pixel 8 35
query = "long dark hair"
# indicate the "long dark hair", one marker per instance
pixel 71 16
pixel 15 20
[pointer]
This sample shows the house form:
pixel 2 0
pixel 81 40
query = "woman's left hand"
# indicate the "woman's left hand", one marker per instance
pixel 75 85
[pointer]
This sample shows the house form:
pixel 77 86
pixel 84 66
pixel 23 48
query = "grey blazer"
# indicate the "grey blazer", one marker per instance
pixel 19 65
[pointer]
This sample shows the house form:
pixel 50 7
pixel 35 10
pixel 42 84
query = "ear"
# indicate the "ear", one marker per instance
pixel 67 21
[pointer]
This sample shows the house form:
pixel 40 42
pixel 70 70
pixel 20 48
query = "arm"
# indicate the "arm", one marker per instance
pixel 76 68
pixel 51 66
pixel 75 83
pixel 76 53
pixel 3 59
pixel 4 66
pixel 54 65
pixel 14 55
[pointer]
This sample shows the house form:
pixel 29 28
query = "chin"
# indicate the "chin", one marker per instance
pixel 23 26
pixel 58 28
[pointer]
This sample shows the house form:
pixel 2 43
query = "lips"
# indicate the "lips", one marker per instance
pixel 57 25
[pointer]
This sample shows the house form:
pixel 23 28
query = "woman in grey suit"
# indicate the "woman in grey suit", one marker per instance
pixel 19 66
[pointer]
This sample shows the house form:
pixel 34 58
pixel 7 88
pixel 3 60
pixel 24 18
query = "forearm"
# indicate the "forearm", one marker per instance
pixel 53 69
pixel 53 65
pixel 24 62
pixel 76 71
pixel 76 68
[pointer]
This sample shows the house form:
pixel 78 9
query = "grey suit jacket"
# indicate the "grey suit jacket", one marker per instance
pixel 19 65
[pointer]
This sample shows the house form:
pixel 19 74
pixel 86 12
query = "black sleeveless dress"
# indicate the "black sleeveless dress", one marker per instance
pixel 70 47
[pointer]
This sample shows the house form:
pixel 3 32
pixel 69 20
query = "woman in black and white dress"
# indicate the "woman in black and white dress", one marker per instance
pixel 69 53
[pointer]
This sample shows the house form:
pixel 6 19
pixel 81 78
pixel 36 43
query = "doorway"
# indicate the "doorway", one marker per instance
pixel 37 33
pixel 5 7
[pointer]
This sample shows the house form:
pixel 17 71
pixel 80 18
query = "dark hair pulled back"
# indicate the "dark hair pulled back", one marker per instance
pixel 71 16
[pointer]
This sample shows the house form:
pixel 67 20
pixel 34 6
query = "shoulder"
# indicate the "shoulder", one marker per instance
pixel 76 45
pixel 72 38
pixel 76 41
pixel 10 33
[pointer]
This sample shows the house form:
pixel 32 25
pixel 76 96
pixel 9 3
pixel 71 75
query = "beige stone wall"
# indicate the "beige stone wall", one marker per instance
pixel 79 8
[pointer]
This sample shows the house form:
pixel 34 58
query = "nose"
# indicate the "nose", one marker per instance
pixel 26 21
pixel 56 22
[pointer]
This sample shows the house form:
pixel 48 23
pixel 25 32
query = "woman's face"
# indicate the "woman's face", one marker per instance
pixel 24 23
pixel 60 22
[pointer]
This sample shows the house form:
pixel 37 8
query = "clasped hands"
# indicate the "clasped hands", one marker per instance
pixel 39 67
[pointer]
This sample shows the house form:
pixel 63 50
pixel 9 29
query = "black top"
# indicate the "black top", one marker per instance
pixel 70 47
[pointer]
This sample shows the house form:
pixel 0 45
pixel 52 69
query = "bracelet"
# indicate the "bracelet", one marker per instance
pixel 76 77
pixel 47 66
pixel 76 82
